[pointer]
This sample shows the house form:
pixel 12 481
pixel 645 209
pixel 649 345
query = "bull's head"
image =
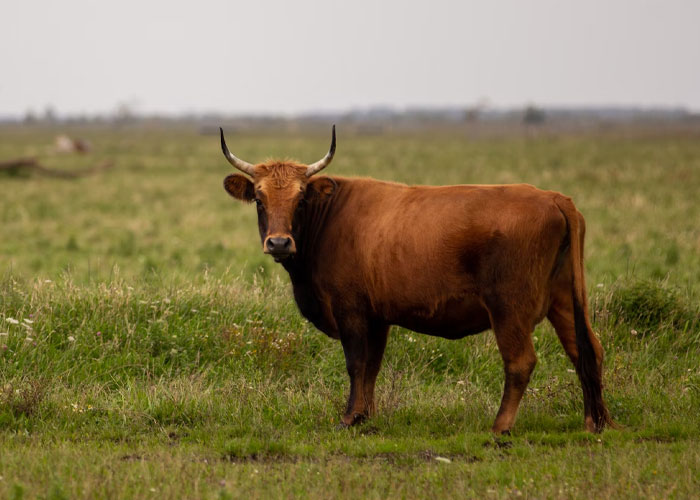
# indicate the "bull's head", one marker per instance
pixel 282 190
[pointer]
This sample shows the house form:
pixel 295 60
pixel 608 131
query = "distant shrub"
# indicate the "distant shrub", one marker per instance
pixel 647 304
pixel 534 116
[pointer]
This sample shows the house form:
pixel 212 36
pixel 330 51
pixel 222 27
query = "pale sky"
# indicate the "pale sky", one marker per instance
pixel 167 56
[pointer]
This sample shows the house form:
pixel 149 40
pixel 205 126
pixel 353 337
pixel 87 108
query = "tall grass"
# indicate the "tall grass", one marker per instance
pixel 107 341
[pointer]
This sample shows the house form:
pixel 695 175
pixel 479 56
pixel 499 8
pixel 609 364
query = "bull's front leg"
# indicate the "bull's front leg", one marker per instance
pixel 355 346
pixel 376 342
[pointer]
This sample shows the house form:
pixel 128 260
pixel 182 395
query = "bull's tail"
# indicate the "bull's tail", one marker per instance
pixel 589 363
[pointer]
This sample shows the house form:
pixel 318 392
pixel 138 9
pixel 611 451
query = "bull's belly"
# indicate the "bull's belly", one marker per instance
pixel 452 320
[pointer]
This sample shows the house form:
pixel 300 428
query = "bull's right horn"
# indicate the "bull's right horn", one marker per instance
pixel 241 165
pixel 323 162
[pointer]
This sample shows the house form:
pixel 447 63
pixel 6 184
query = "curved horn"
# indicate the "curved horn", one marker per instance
pixel 241 165
pixel 325 161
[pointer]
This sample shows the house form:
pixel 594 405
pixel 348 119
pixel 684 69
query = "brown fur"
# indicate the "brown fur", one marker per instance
pixel 280 174
pixel 448 261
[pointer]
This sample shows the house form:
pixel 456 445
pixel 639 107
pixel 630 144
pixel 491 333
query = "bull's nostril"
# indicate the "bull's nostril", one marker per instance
pixel 279 244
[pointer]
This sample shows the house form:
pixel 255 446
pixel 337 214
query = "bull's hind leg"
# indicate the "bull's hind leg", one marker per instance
pixel 515 344
pixel 561 315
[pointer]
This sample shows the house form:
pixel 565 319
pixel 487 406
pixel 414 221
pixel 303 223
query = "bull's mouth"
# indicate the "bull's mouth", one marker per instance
pixel 279 257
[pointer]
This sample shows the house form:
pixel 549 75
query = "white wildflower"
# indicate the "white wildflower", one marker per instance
pixel 28 321
pixel 12 321
pixel 443 460
pixel 71 338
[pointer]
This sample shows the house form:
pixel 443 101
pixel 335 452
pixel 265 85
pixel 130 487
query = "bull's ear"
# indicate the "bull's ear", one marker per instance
pixel 320 188
pixel 239 187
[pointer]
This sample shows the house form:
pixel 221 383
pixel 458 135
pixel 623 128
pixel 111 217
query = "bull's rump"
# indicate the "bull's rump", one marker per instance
pixel 429 258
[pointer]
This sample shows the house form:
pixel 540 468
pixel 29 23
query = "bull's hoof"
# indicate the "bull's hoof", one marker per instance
pixel 590 425
pixel 350 420
pixel 596 428
pixel 500 432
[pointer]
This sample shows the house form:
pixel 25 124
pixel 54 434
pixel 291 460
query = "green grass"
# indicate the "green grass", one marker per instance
pixel 148 349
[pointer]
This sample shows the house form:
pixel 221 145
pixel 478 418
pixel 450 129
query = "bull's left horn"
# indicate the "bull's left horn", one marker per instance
pixel 241 165
pixel 325 161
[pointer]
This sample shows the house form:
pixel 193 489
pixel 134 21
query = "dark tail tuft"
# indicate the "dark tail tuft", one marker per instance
pixel 589 372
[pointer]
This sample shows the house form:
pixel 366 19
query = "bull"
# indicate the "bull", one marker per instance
pixel 448 261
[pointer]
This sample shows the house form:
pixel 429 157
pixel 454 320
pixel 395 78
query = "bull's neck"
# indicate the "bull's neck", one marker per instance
pixel 312 227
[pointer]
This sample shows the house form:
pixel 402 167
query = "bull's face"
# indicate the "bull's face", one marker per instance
pixel 281 191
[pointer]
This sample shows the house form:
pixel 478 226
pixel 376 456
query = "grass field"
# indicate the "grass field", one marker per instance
pixel 148 349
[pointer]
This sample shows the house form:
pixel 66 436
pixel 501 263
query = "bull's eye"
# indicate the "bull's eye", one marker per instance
pixel 258 202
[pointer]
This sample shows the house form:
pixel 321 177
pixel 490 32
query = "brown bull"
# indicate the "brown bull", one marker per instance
pixel 448 261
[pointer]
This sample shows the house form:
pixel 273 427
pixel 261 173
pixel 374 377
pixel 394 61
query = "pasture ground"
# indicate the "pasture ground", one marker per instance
pixel 149 350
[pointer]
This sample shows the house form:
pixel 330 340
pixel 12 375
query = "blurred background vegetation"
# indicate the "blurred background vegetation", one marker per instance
pixel 160 211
